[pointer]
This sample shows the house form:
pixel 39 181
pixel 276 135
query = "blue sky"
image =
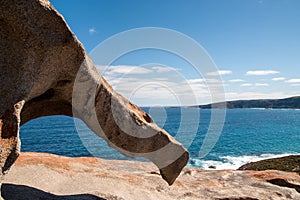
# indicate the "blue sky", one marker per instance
pixel 254 43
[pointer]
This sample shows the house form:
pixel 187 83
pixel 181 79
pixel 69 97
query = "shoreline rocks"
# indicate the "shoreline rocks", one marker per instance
pixel 287 163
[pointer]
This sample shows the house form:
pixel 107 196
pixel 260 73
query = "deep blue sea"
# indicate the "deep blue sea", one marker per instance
pixel 248 135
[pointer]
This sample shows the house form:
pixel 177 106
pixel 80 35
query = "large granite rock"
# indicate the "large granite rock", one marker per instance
pixel 45 71
pixel 49 177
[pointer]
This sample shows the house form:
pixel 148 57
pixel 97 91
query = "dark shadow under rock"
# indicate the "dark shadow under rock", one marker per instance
pixel 23 192
pixel 284 183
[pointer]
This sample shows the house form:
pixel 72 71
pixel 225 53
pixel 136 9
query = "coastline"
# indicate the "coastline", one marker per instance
pixel 48 176
pixel 235 162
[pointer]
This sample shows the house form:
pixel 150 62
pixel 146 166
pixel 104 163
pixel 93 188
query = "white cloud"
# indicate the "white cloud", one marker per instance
pixel 160 69
pixel 92 31
pixel 295 80
pixel 123 69
pixel 162 79
pixel 261 84
pixel 220 72
pixel 257 84
pixel 236 81
pixel 198 80
pixel 211 80
pixel 254 95
pixel 247 85
pixel 295 85
pixel 278 79
pixel 262 72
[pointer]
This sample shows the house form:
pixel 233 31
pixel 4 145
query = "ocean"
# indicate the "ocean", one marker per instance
pixel 248 135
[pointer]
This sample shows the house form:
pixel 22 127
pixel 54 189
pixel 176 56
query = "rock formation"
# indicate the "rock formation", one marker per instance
pixel 50 177
pixel 42 64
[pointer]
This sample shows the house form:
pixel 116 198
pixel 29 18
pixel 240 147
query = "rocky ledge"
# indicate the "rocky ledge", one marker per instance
pixel 45 176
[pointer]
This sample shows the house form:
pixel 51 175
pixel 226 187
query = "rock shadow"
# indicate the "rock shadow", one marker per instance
pixel 23 192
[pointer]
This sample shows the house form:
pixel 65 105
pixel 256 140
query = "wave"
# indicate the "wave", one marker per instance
pixel 232 162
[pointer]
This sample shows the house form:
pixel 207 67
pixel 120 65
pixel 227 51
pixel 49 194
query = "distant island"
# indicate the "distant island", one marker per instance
pixel 287 103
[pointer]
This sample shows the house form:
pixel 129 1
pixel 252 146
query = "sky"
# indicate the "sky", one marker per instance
pixel 255 45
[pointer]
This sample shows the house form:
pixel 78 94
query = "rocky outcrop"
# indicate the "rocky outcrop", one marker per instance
pixel 45 71
pixel 287 163
pixel 44 176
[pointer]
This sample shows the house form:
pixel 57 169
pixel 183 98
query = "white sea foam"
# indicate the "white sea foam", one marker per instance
pixel 258 108
pixel 233 162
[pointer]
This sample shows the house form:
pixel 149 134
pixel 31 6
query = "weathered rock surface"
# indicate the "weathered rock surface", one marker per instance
pixel 44 70
pixel 44 176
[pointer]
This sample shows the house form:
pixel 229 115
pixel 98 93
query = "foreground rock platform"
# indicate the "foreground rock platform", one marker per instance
pixel 45 176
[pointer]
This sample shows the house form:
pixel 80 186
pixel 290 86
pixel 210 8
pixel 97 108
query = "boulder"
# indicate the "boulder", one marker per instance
pixel 46 71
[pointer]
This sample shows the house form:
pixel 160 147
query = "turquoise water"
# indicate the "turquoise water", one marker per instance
pixel 248 135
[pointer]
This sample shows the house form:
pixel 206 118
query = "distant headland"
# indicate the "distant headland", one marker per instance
pixel 286 103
